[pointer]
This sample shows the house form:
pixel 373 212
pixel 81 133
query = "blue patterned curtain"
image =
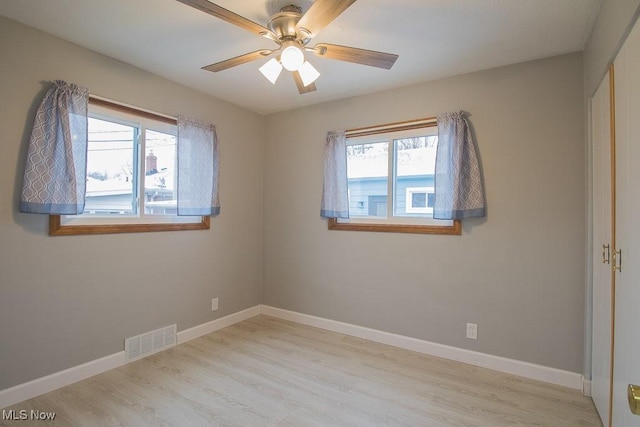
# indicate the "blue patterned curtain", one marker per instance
pixel 335 195
pixel 459 190
pixel 55 171
pixel 198 168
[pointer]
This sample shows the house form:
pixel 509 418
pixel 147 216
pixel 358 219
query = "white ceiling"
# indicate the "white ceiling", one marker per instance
pixel 434 38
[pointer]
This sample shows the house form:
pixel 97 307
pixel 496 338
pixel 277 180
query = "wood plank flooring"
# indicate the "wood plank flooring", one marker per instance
pixel 270 372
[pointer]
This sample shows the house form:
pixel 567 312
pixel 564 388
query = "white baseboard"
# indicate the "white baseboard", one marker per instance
pixel 28 390
pixel 497 363
pixel 31 389
pixel 11 396
pixel 214 325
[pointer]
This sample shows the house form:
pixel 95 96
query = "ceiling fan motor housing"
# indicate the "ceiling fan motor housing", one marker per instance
pixel 283 23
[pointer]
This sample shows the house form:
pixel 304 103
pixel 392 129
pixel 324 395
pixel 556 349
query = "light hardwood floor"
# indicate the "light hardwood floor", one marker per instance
pixel 270 372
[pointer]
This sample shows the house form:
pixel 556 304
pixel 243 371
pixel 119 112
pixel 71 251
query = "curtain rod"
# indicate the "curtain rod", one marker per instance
pixel 104 102
pixel 407 125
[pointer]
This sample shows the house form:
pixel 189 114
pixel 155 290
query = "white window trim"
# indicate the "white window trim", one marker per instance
pixel 128 219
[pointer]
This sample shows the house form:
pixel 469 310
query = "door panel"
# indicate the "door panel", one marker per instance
pixel 627 322
pixel 601 250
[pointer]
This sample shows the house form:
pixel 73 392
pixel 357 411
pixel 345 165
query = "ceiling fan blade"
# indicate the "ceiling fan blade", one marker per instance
pixel 353 54
pixel 238 60
pixel 227 15
pixel 311 87
pixel 320 14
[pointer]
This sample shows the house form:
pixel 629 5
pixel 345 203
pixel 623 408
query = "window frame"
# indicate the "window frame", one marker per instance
pixel 393 224
pixel 129 224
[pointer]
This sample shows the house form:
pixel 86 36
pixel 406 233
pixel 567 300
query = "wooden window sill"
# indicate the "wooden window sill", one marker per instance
pixel 57 229
pixel 454 229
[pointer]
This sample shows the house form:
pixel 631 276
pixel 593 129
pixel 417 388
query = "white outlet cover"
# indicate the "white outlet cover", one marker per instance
pixel 214 304
pixel 472 331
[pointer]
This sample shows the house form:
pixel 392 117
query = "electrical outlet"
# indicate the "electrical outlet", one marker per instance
pixel 472 331
pixel 214 304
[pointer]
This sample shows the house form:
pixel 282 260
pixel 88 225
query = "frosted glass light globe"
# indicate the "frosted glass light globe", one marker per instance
pixel 292 57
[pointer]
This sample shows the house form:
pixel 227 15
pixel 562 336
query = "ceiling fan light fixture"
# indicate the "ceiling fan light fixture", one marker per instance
pixel 291 30
pixel 308 73
pixel 292 56
pixel 271 70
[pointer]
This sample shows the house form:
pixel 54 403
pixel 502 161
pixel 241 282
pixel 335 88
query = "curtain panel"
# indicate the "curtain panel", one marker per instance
pixel 198 168
pixel 459 187
pixel 335 194
pixel 56 166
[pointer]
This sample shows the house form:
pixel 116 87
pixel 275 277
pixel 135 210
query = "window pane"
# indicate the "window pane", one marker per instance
pixel 419 200
pixel 367 171
pixel 160 178
pixel 111 169
pixel 414 178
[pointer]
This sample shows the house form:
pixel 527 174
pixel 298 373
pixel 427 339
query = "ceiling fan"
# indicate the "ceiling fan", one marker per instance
pixel 292 31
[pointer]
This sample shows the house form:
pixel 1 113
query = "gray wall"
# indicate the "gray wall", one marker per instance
pixel 614 22
pixel 519 274
pixel 68 300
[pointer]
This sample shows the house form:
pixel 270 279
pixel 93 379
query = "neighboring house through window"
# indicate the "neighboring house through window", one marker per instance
pixel 130 166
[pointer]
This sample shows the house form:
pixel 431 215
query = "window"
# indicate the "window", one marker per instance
pixel 391 173
pixel 131 175
pixel 420 200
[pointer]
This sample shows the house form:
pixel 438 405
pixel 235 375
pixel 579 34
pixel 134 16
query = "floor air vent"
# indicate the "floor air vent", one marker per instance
pixel 150 342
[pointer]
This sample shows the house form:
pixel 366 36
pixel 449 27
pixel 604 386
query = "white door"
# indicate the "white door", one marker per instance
pixel 627 282
pixel 601 251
